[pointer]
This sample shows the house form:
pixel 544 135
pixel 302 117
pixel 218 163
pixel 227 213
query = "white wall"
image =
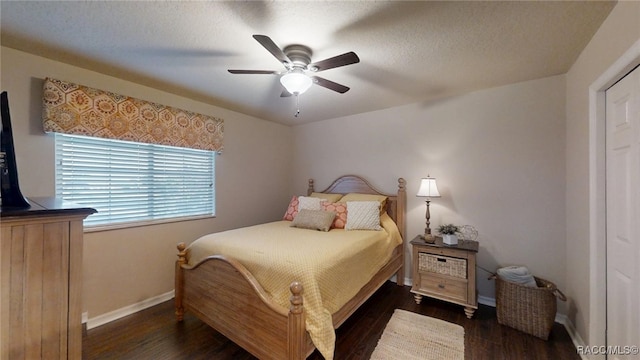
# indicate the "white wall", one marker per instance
pixel 498 156
pixel 617 34
pixel 123 267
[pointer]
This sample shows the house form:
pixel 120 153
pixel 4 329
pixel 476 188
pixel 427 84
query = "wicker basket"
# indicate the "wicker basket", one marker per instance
pixel 443 265
pixel 530 310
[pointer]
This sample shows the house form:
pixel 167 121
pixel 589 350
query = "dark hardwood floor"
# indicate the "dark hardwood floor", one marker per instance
pixel 155 334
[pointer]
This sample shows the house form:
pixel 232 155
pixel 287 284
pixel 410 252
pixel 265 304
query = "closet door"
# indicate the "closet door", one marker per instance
pixel 623 214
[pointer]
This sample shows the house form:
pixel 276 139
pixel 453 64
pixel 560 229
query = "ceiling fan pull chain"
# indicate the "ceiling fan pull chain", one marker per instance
pixel 297 105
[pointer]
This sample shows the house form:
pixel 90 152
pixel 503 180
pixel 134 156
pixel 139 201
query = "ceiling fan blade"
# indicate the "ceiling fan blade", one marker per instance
pixel 336 61
pixel 254 72
pixel 273 48
pixel 330 84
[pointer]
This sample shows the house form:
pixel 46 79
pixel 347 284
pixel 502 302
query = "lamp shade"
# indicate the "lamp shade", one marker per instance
pixel 428 188
pixel 296 82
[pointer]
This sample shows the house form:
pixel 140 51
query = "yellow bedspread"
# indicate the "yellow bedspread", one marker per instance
pixel 332 266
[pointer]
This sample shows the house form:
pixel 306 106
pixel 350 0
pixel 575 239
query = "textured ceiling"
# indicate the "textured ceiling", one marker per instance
pixel 409 51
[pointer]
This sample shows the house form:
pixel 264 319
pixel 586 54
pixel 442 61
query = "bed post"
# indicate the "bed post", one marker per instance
pixel 310 188
pixel 400 211
pixel 179 291
pixel 296 333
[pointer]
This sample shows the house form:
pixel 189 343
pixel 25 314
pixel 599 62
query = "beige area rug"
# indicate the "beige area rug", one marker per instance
pixel 409 336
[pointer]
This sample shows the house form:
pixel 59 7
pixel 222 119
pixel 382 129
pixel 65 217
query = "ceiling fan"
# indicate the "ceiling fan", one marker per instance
pixel 298 76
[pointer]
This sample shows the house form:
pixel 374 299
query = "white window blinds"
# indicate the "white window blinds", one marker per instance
pixel 134 182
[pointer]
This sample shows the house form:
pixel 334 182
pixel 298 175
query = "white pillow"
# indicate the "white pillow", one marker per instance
pixel 363 215
pixel 309 203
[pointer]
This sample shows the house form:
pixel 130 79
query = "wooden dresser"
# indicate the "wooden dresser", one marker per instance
pixel 41 277
pixel 445 272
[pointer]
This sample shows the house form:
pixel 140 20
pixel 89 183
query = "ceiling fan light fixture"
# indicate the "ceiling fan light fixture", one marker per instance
pixel 296 82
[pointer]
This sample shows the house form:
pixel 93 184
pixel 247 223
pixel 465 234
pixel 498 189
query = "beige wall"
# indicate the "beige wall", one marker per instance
pixel 616 35
pixel 498 157
pixel 123 267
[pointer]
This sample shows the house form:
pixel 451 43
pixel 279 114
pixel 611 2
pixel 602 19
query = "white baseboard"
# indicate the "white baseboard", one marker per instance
pixel 575 337
pixel 484 300
pixel 127 310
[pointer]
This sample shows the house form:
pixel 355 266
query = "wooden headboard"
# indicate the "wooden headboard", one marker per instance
pixel 396 203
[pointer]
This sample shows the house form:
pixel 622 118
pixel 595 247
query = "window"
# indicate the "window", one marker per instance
pixel 134 182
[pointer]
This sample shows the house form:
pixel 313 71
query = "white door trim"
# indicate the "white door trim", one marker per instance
pixel 597 191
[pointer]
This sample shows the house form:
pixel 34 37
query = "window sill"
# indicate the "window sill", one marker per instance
pixel 133 224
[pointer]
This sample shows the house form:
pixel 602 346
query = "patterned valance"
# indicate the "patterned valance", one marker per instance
pixel 75 109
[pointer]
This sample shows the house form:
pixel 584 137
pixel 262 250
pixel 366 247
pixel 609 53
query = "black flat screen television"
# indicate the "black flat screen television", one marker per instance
pixel 10 195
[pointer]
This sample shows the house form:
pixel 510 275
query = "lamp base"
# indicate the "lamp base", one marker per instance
pixel 429 238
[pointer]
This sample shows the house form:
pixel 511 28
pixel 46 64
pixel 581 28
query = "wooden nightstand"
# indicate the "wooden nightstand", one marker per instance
pixel 445 272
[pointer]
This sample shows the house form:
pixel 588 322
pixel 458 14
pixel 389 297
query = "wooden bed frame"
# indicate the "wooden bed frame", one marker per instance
pixel 225 295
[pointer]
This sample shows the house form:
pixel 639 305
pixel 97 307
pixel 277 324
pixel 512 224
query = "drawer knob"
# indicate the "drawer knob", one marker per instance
pixel 441 286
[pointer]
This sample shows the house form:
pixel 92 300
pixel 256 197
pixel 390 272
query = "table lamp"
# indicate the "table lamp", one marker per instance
pixel 428 189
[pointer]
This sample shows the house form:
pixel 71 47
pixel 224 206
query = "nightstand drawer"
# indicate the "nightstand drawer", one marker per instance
pixel 454 289
pixel 442 265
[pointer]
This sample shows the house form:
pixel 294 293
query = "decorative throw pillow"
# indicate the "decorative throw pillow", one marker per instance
pixel 340 209
pixel 313 219
pixel 310 203
pixel 327 196
pixel 367 197
pixel 363 215
pixel 292 210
